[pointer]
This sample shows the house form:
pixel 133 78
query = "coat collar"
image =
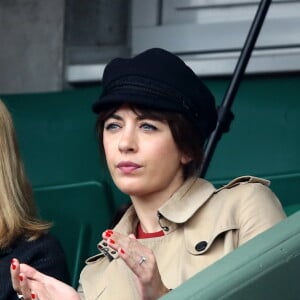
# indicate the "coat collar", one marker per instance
pixel 187 200
pixel 128 222
pixel 178 209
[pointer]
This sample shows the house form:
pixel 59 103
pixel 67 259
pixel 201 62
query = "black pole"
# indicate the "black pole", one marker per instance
pixel 225 115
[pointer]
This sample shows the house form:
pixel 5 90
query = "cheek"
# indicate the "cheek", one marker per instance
pixel 108 141
pixel 167 153
pixel 108 150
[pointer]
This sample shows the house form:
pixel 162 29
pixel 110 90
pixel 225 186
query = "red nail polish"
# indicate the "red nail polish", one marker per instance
pixel 107 234
pixel 122 251
pixel 109 231
pixel 21 277
pixel 111 241
pixel 32 296
pixel 13 266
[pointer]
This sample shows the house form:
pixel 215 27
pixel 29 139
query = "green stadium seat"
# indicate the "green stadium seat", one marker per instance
pixel 266 267
pixel 80 213
pixel 291 209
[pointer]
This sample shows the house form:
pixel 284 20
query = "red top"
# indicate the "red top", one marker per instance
pixel 140 234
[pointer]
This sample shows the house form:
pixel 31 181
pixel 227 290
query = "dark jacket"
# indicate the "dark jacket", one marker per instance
pixel 45 254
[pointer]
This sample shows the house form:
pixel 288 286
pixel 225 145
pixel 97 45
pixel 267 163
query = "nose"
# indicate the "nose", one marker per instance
pixel 128 142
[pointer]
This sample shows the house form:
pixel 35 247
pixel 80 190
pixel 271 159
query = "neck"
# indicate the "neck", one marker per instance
pixel 147 214
pixel 147 207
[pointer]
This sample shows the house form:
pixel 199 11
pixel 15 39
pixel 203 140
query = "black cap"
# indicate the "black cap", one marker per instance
pixel 159 80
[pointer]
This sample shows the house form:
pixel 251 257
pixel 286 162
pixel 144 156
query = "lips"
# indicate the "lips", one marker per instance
pixel 127 166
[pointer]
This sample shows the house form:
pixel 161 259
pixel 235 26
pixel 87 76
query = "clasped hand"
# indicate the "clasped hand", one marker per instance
pixel 32 284
pixel 141 261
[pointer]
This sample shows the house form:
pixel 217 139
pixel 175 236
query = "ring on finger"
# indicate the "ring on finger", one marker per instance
pixel 142 259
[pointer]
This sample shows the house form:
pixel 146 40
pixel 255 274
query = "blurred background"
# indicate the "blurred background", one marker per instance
pixel 53 45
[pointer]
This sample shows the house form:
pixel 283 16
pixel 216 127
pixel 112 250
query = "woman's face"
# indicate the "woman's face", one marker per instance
pixel 141 154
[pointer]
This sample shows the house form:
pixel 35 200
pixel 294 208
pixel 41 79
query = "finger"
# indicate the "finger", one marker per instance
pixel 31 273
pixel 114 239
pixel 110 237
pixel 118 241
pixel 14 273
pixel 24 286
pixel 138 258
pixel 107 234
pixel 134 253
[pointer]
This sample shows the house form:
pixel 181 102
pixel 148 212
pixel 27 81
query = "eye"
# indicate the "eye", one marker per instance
pixel 111 126
pixel 148 127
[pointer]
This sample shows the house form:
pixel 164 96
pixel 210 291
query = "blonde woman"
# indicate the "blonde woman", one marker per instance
pixel 22 234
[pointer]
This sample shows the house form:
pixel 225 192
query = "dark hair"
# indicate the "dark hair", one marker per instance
pixel 184 132
pixel 160 80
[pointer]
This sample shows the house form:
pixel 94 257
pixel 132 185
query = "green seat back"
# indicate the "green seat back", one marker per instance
pixel 80 213
pixel 267 267
pixel 291 209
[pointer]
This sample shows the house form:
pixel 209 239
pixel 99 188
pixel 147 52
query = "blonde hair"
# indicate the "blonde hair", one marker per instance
pixel 18 215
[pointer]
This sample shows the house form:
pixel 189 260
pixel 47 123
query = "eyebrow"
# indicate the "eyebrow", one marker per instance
pixel 114 116
pixel 139 117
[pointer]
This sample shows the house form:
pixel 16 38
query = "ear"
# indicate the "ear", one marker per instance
pixel 185 159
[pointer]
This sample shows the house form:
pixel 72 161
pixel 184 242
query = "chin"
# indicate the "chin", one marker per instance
pixel 132 189
pixel 128 185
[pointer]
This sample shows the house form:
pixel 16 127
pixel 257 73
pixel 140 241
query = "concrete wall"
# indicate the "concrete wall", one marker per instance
pixel 96 31
pixel 38 38
pixel 31 47
pixel 42 41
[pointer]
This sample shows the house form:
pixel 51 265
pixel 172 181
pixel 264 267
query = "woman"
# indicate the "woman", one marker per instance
pixel 154 117
pixel 22 234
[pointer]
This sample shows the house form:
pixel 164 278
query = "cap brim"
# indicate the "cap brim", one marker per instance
pixel 140 100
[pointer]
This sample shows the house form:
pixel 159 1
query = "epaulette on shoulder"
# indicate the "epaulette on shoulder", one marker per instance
pixel 243 180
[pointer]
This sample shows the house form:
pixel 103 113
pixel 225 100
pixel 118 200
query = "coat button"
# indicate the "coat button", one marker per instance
pixel 201 246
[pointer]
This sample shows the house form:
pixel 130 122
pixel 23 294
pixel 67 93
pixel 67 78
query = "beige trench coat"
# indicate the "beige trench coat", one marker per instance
pixel 201 225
